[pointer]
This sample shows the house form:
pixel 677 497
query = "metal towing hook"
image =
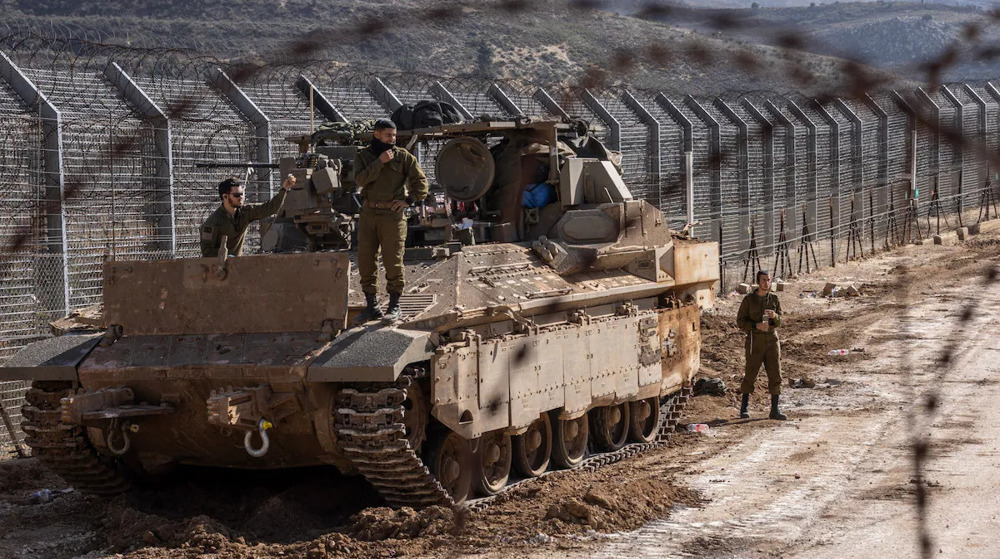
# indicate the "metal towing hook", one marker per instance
pixel 262 426
pixel 122 432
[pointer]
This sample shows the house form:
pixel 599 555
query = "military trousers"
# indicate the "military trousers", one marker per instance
pixel 762 349
pixel 381 231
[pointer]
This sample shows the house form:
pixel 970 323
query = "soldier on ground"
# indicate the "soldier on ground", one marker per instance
pixel 390 179
pixel 759 317
pixel 233 217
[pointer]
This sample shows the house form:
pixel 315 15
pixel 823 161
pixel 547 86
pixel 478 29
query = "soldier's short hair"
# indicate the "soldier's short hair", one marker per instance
pixel 761 273
pixel 228 184
pixel 384 124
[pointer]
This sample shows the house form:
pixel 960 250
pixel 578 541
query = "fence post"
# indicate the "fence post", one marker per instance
pixel 505 102
pixel 834 176
pixel 250 111
pixel 812 175
pixel 55 183
pixel 137 100
pixel 882 195
pixel 714 156
pixel 320 101
pixel 981 125
pixel 615 127
pixel 767 132
pixel 743 174
pixel 384 95
pixel 550 104
pixel 438 89
pixel 791 144
pixel 858 158
pixel 655 157
pixel 935 162
pixel 959 152
pixel 675 113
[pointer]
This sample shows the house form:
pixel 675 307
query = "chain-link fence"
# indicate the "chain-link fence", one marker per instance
pixel 101 145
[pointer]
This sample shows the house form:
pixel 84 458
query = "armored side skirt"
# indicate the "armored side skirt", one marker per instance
pixel 486 384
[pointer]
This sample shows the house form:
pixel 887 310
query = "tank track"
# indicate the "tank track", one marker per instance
pixel 370 432
pixel 65 448
pixel 670 414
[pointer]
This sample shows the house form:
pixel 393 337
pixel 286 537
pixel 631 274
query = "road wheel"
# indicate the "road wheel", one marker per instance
pixel 644 420
pixel 493 459
pixel 533 448
pixel 611 426
pixel 450 461
pixel 569 440
pixel 415 414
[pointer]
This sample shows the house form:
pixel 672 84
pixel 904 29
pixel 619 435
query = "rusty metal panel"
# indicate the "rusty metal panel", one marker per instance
pixel 576 349
pixel 695 262
pixel 50 359
pixel 681 338
pixel 265 293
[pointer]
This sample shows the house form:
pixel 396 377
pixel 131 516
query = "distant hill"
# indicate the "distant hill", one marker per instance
pixel 541 42
pixel 900 37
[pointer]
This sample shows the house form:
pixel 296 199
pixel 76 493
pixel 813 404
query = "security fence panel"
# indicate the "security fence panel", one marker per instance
pixel 209 129
pixel 637 148
pixel 104 146
pixel 673 159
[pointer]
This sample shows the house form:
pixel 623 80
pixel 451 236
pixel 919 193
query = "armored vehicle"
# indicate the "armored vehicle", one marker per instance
pixel 548 316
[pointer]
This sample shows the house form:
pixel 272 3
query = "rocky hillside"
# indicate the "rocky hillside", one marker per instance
pixel 544 41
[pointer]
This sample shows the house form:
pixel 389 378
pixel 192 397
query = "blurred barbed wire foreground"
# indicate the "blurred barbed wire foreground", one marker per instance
pixel 101 137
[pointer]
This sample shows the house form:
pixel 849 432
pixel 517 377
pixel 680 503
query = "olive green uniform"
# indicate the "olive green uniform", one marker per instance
pixel 220 224
pixel 761 347
pixel 379 226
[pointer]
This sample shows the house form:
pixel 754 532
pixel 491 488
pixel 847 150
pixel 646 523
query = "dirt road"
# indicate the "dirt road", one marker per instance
pixel 834 481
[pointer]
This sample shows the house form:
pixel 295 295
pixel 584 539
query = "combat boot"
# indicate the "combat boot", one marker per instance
pixel 371 312
pixel 745 407
pixel 775 412
pixel 393 312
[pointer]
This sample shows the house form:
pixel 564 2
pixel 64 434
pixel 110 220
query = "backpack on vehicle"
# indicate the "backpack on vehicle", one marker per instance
pixel 425 114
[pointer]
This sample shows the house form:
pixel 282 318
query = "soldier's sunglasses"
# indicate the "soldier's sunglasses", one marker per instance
pixel 236 194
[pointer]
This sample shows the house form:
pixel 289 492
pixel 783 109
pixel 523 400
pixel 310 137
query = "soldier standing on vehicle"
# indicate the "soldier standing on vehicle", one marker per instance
pixel 233 217
pixel 390 179
pixel 759 317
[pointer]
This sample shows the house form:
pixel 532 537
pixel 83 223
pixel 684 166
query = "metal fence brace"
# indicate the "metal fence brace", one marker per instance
pixel 319 100
pixel 715 157
pixel 136 98
pixel 262 125
pixel 505 102
pixel 55 242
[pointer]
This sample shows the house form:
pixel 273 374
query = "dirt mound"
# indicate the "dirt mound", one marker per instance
pixel 615 508
pixel 383 523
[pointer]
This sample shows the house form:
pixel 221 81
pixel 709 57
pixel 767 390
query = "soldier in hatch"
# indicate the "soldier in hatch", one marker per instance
pixel 390 179
pixel 758 317
pixel 233 217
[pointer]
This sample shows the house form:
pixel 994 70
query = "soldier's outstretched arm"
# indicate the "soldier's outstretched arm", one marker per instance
pixel 267 208
pixel 416 181
pixel 743 317
pixel 365 174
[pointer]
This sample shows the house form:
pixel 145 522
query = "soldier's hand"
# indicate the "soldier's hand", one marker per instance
pixel 763 327
pixel 769 313
pixel 288 183
pixel 398 205
pixel 386 156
